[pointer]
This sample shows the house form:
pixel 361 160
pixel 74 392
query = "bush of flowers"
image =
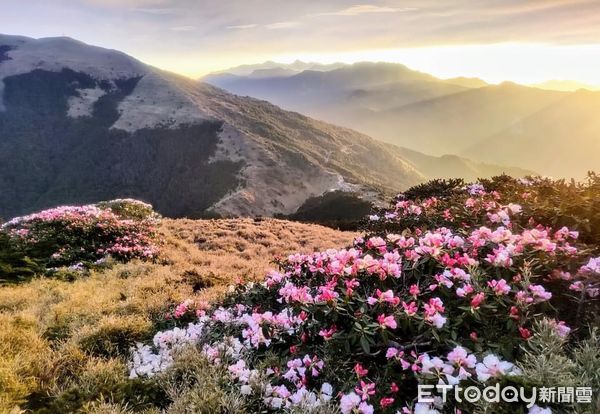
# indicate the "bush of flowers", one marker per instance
pixel 79 236
pixel 435 292
pixel 455 204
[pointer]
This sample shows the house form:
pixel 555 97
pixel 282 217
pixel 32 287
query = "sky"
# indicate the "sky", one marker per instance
pixel 496 40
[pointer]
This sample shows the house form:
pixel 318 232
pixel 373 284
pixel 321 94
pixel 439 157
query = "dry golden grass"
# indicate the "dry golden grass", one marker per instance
pixel 56 334
pixel 224 250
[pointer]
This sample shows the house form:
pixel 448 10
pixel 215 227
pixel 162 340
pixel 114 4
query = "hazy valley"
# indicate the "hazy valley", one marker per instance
pixel 506 124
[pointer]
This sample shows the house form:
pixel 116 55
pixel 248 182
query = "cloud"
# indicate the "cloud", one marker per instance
pixel 281 25
pixel 242 26
pixel 155 10
pixel 269 26
pixel 234 31
pixel 359 9
pixel 123 3
pixel 183 28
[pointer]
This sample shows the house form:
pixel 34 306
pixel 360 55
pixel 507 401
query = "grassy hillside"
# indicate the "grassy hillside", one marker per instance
pixel 305 143
pixel 64 343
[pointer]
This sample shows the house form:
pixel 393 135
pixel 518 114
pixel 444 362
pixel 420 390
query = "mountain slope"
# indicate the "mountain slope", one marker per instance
pixel 80 123
pixel 467 82
pixel 454 166
pixel 452 123
pixel 559 139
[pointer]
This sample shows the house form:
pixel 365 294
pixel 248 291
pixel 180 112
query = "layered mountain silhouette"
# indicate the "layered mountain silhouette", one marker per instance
pixel 341 94
pixel 80 123
pixel 564 85
pixel 506 124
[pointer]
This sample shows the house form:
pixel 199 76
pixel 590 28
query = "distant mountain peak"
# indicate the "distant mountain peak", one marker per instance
pixel 564 85
pixel 467 82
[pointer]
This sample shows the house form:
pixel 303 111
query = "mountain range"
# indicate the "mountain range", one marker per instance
pixel 80 123
pixel 553 132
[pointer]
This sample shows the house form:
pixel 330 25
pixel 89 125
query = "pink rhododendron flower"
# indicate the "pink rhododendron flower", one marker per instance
pixel 477 300
pixel 351 284
pixel 394 353
pixel 561 328
pixel 576 286
pixel 360 371
pixel 386 402
pixel 377 243
pixel 592 266
pixel 328 333
pixel 414 290
pixel 433 306
pixel 387 321
pixel 523 297
pixel 384 297
pixel 493 366
pixel 539 293
pixel 525 333
pixel 461 358
pixel 436 320
pixel 349 402
pixel 464 291
pixel 365 390
pixel 327 293
pixel 500 287
pixel 410 308
pixel 364 408
pixel 183 308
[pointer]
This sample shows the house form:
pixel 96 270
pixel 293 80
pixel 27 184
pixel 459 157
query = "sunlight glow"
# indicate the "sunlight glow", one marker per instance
pixel 518 62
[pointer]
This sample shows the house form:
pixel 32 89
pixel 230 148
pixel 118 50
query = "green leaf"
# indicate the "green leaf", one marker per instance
pixel 364 343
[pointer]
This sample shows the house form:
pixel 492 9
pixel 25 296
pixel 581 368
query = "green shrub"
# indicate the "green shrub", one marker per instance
pixel 129 208
pixel 336 209
pixel 136 394
pixel 550 361
pixel 197 386
pixel 114 336
pixel 15 265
